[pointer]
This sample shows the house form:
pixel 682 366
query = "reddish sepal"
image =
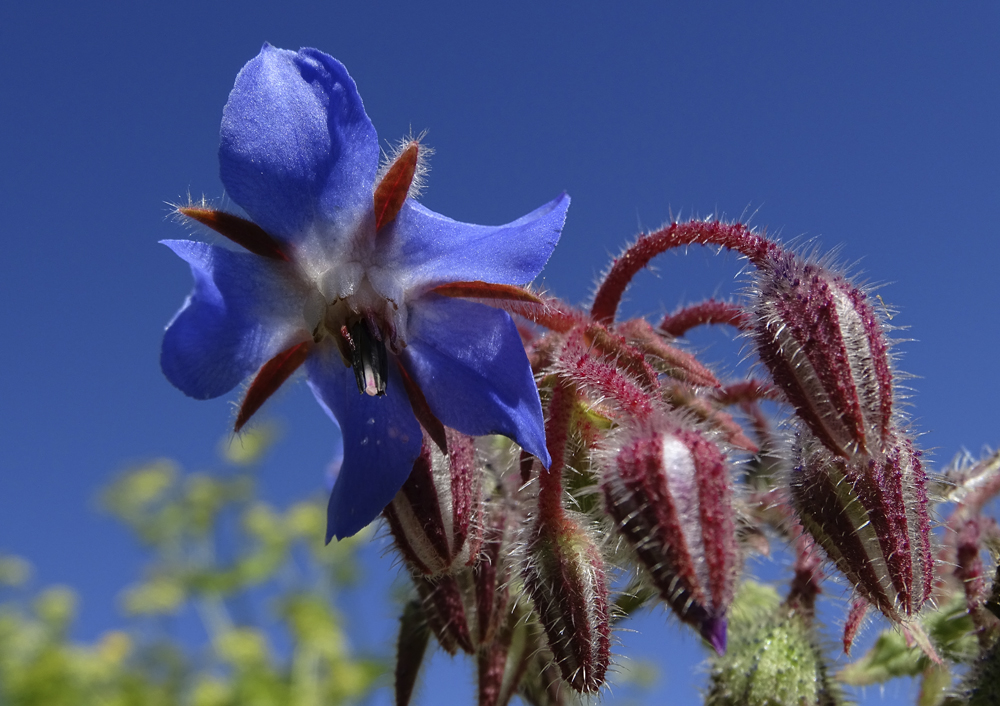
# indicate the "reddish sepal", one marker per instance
pixel 241 231
pixel 395 185
pixel 272 375
pixel 486 290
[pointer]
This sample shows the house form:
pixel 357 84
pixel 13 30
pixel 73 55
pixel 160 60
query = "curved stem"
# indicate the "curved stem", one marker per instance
pixel 556 437
pixel 711 311
pixel 734 236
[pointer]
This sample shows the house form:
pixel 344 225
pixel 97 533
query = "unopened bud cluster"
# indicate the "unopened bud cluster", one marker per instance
pixel 858 485
pixel 663 478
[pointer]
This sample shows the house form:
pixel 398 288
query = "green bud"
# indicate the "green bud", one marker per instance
pixel 772 658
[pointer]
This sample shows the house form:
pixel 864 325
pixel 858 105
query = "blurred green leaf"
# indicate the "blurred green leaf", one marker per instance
pixel 14 571
pixel 162 595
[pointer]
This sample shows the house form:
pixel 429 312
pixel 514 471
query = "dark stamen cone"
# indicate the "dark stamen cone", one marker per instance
pixel 826 349
pixel 272 375
pixel 241 231
pixel 395 185
pixel 667 490
pixel 870 516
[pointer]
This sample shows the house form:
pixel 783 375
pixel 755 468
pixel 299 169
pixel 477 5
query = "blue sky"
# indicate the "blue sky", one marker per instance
pixel 869 126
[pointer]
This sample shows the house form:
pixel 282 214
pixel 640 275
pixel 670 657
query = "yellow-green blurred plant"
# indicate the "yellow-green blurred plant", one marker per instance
pixel 181 517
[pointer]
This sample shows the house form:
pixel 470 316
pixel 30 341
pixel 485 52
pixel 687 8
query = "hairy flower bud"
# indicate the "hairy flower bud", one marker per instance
pixel 436 517
pixel 566 579
pixel 870 515
pixel 668 491
pixel 444 600
pixel 773 658
pixel 826 349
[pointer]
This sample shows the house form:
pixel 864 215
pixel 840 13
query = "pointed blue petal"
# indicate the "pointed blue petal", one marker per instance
pixel 297 146
pixel 381 436
pixel 243 311
pixel 432 249
pixel 470 364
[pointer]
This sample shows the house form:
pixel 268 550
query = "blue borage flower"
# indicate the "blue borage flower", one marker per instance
pixel 355 280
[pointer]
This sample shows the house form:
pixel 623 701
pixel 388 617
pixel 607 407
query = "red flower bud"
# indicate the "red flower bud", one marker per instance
pixel 436 517
pixel 565 578
pixel 668 491
pixel 826 349
pixel 870 515
pixel 444 602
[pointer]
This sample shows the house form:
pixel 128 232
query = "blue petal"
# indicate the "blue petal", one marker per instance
pixel 297 146
pixel 243 311
pixel 433 249
pixel 382 439
pixel 470 364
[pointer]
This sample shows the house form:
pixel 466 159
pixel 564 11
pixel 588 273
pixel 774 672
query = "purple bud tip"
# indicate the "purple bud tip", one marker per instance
pixel 713 629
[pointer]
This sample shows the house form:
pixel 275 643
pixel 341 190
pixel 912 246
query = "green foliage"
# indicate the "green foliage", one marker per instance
pixel 181 518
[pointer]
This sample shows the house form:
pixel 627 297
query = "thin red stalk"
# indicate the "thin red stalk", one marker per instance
pixel 711 311
pixel 550 313
pixel 626 358
pixel 805 584
pixel 561 407
pixel 683 397
pixel 677 363
pixel 747 391
pixel 734 236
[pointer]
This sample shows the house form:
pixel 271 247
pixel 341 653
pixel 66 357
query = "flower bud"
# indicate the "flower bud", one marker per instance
pixel 668 491
pixel 772 660
pixel 826 349
pixel 566 579
pixel 491 574
pixel 870 516
pixel 444 601
pixel 436 517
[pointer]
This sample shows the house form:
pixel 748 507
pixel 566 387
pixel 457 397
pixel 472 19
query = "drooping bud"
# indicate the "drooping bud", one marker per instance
pixel 773 657
pixel 668 491
pixel 566 579
pixel 444 602
pixel 436 518
pixel 826 349
pixel 870 515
